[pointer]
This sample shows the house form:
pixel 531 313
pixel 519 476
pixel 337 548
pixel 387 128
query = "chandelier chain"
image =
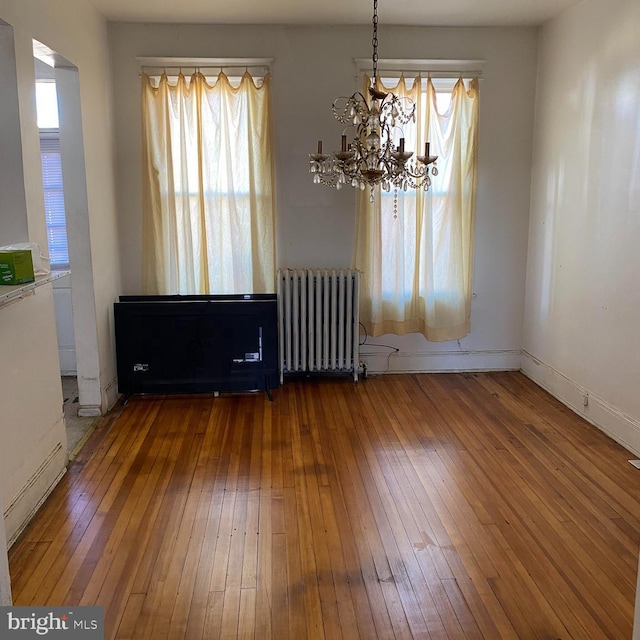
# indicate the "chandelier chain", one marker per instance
pixel 374 41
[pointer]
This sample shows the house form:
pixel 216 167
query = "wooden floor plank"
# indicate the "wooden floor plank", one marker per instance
pixel 432 506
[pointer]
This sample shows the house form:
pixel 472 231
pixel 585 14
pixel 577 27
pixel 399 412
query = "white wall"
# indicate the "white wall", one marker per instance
pixel 33 452
pixel 13 228
pixel 75 30
pixel 64 326
pixel 583 299
pixel 315 225
pixel 34 443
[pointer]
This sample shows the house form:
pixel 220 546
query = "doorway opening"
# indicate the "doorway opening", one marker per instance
pixel 57 96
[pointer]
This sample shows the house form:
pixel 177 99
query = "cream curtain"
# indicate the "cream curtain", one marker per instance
pixel 208 203
pixel 417 265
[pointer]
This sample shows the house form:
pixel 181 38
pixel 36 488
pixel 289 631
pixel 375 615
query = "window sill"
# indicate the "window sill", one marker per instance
pixel 11 293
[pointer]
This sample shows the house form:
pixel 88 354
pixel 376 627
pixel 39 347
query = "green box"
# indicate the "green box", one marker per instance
pixel 16 267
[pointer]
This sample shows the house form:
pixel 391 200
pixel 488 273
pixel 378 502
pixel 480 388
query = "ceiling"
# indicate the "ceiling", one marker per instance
pixel 311 12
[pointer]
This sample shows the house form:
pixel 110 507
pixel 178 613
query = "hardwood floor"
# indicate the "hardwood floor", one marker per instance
pixel 416 506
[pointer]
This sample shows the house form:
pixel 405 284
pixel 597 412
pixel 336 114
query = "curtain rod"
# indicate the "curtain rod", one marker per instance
pixel 188 70
pixel 161 62
pixel 413 73
pixel 435 68
pixel 156 65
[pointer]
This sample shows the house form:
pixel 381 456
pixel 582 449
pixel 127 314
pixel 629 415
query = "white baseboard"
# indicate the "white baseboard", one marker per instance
pixel 89 410
pixel 29 499
pixel 622 428
pixel 388 361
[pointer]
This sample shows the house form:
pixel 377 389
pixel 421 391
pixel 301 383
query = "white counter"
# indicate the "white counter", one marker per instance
pixel 11 292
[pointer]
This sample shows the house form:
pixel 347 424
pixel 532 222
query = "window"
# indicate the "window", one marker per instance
pixel 417 259
pixel 208 203
pixel 47 110
pixel 54 200
pixel 47 105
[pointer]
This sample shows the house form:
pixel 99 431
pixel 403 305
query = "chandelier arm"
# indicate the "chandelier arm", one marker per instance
pixel 355 98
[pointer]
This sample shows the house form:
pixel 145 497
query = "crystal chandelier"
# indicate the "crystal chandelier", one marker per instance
pixel 372 156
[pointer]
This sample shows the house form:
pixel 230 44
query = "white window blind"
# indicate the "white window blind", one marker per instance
pixel 54 200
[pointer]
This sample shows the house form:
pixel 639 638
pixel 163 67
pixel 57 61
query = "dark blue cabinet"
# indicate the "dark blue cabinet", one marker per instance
pixel 196 344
